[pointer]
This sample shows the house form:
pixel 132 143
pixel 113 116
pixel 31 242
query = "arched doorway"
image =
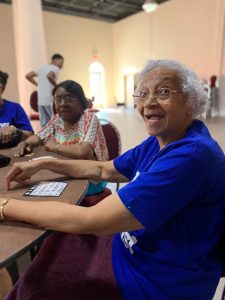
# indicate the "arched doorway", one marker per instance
pixel 97 83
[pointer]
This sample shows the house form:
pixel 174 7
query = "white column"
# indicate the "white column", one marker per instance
pixel 30 46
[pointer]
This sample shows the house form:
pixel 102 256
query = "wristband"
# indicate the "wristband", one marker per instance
pixel 2 205
pixel 57 147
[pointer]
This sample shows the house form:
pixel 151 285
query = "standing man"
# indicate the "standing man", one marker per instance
pixel 46 80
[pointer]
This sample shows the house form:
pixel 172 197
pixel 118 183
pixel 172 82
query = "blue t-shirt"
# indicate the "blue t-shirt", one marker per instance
pixel 12 113
pixel 178 195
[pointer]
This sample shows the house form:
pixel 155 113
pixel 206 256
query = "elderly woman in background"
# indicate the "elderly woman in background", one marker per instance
pixel 74 132
pixel 14 123
pixel 168 220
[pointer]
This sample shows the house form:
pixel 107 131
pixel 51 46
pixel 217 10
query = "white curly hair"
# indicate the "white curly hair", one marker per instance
pixel 197 98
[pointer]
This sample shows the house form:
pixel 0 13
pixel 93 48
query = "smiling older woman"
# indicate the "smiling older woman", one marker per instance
pixel 169 218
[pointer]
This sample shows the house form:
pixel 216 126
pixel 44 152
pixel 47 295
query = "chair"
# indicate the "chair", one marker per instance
pixel 33 104
pixel 90 105
pixel 113 140
pixel 112 137
pixel 91 200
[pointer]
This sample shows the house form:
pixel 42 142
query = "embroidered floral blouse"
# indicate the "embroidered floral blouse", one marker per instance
pixel 87 129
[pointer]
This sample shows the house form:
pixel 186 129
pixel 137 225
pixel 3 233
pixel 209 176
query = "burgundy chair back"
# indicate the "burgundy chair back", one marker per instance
pixel 34 106
pixel 113 139
pixel 34 115
pixel 34 101
pixel 91 200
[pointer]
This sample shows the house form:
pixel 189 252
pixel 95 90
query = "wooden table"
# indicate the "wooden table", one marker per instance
pixel 17 237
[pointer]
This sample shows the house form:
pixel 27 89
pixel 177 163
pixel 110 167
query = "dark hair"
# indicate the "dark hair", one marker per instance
pixel 74 89
pixel 57 56
pixel 3 78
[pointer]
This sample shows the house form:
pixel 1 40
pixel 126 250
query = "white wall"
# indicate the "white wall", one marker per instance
pixel 132 47
pixel 189 31
pixel 76 38
pixel 7 51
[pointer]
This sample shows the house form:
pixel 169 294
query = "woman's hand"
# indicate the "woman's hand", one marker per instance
pixel 21 172
pixel 6 133
pixel 23 148
pixel 51 145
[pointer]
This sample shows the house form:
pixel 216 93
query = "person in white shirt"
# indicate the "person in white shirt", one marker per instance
pixel 45 82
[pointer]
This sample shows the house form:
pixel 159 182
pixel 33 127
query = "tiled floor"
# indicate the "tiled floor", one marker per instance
pixel 133 132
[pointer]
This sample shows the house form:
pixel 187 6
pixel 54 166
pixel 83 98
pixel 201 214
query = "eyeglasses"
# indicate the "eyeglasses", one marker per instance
pixel 66 98
pixel 161 94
